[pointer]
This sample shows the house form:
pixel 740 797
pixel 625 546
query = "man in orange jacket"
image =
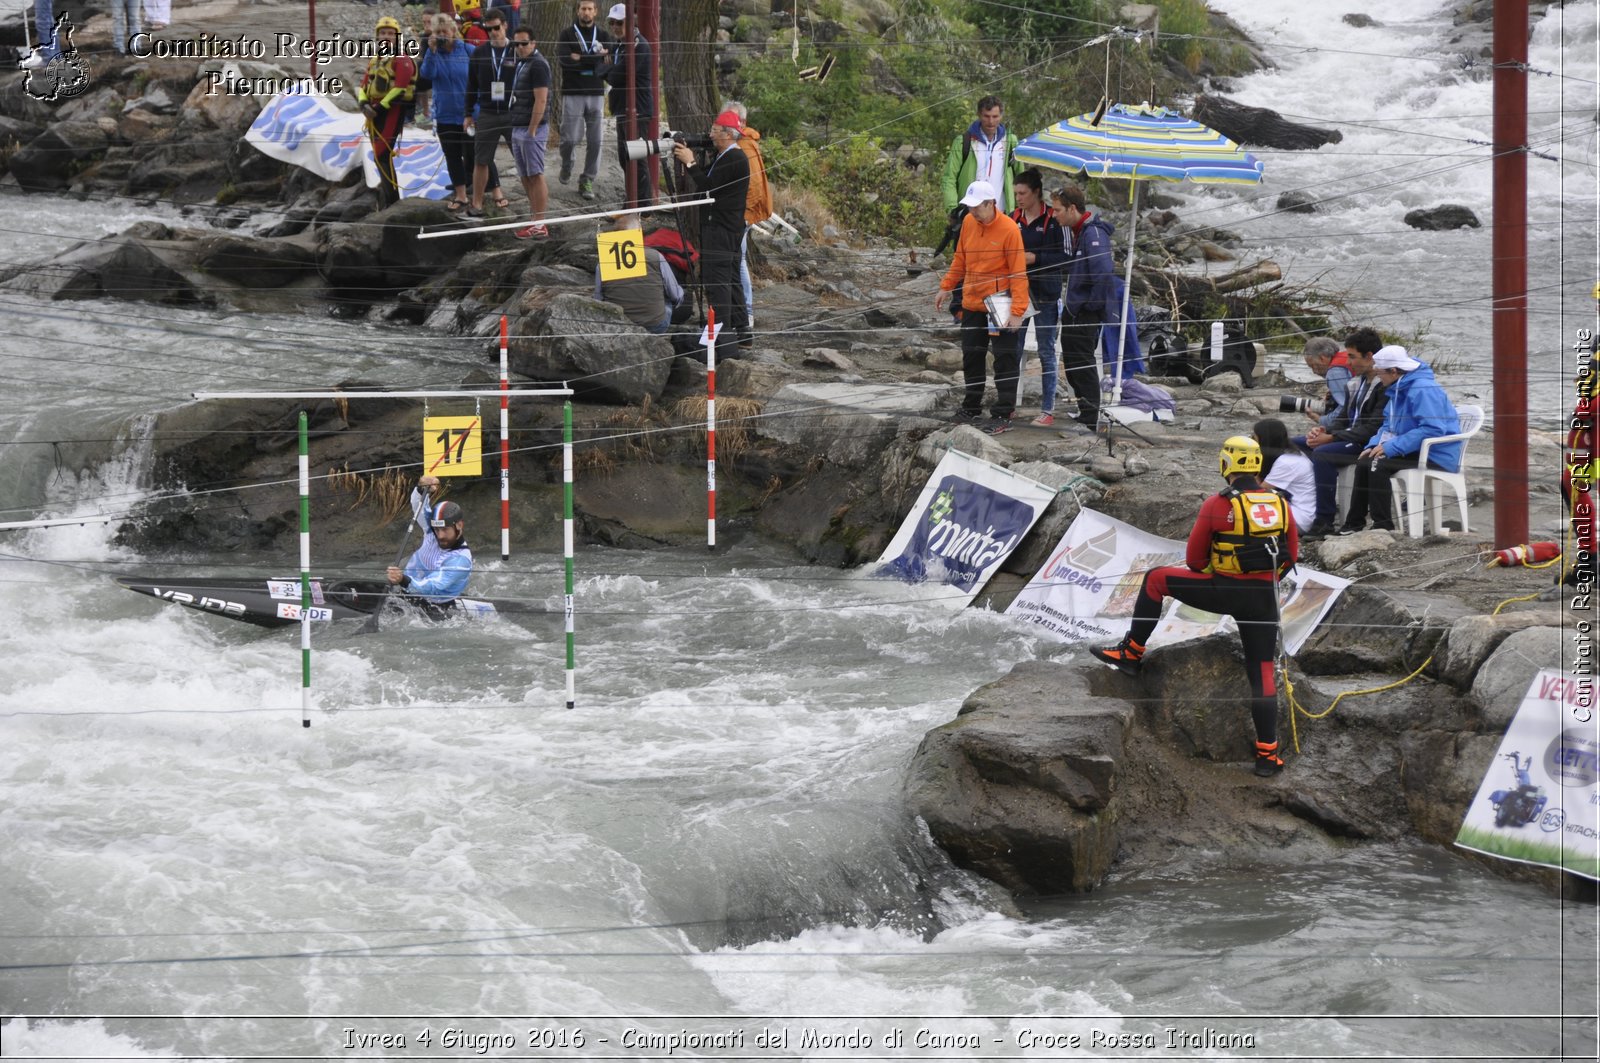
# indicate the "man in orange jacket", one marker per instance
pixel 988 261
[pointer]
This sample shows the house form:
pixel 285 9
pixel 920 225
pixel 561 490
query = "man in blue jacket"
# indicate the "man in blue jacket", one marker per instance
pixel 1418 409
pixel 1088 299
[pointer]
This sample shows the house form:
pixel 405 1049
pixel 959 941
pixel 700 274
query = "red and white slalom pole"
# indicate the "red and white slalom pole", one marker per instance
pixel 505 446
pixel 711 429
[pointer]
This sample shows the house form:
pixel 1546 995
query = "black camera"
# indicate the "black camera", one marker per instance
pixel 1298 404
pixel 641 149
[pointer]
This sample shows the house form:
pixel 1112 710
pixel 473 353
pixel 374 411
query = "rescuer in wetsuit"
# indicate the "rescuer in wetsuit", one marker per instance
pixel 1243 539
pixel 389 85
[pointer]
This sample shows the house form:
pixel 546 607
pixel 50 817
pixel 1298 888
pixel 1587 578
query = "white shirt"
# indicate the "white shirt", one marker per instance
pixel 1292 473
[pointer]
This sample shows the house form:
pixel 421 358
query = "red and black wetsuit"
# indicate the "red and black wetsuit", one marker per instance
pixel 1250 598
pixel 390 84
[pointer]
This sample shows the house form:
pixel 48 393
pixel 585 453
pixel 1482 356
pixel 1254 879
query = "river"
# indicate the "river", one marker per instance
pixel 711 846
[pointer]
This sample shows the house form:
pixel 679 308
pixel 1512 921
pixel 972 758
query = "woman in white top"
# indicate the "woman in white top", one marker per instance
pixel 1286 468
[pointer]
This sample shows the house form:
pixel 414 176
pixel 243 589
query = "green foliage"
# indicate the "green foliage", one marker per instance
pixel 873 195
pixel 1030 32
pixel 1186 35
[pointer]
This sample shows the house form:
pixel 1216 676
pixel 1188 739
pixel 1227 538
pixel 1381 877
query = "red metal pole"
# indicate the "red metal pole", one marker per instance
pixel 630 172
pixel 1510 255
pixel 650 19
pixel 311 10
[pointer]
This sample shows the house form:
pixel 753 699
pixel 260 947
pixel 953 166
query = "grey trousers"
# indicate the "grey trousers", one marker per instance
pixel 582 118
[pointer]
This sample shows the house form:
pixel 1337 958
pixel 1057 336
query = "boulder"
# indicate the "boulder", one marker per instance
pixel 1021 787
pixel 1373 631
pixel 828 358
pixel 1361 21
pixel 744 378
pixel 15 132
pixel 1297 203
pixel 1259 126
pixel 255 262
pixel 591 345
pixel 118 268
pixel 408 260
pixel 849 424
pixel 50 161
pixel 1472 639
pixel 966 439
pixel 1503 679
pixel 1448 216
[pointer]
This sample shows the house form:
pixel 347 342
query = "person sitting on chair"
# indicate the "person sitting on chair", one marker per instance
pixel 1418 410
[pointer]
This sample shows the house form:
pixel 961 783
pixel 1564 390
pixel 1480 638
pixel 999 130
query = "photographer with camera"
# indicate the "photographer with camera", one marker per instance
pixel 725 177
pixel 1324 358
pixel 1358 420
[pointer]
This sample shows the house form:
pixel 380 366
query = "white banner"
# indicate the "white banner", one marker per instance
pixel 968 519
pixel 1539 803
pixel 307 130
pixel 1086 591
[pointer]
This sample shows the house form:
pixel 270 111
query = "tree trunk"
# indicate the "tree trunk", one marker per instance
pixel 688 64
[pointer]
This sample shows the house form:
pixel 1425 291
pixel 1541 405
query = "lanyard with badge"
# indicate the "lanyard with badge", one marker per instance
pixel 497 87
pixel 590 46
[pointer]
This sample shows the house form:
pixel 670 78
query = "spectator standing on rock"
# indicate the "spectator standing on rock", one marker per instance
pixel 389 85
pixel 1243 540
pixel 726 179
pixel 488 110
pixel 584 50
pixel 1333 449
pixel 530 129
pixel 757 209
pixel 988 261
pixel 1418 409
pixel 1324 358
pixel 44 21
pixel 1043 251
pixel 444 64
pixel 648 301
pixel 644 103
pixel 1089 289
pixel 986 151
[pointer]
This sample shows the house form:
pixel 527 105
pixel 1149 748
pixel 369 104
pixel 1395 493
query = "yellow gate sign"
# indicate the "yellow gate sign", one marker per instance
pixel 621 254
pixel 452 446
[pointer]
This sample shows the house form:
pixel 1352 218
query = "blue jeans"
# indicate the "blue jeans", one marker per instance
pixel 1044 331
pixel 127 21
pixel 44 20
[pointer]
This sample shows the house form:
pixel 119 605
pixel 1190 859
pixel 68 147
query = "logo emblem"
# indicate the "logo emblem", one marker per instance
pixel 66 75
pixel 1263 515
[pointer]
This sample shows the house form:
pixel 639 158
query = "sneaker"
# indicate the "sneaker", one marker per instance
pixel 1319 530
pixel 470 211
pixel 1044 420
pixel 1268 762
pixel 965 416
pixel 747 340
pixel 1383 527
pixel 37 60
pixel 586 188
pixel 1126 656
pixel 1350 529
pixel 529 232
pixel 997 425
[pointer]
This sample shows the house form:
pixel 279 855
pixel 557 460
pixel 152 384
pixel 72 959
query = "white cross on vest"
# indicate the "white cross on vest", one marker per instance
pixel 1263 515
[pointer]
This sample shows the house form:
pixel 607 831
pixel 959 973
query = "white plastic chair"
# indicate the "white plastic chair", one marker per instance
pixel 1421 490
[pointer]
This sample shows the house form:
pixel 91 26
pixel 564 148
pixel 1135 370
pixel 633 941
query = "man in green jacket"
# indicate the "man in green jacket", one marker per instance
pixel 986 151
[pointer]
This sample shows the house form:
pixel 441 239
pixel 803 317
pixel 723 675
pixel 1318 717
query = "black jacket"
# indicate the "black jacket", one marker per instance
pixel 1362 424
pixel 481 75
pixel 726 180
pixel 618 78
pixel 586 75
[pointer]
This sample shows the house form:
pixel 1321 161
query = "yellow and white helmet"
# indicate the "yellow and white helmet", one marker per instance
pixel 387 22
pixel 1239 454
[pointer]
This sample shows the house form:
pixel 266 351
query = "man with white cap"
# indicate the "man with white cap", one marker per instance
pixel 1418 409
pixel 633 122
pixel 988 261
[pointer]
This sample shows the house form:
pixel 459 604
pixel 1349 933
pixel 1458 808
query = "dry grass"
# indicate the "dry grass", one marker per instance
pixel 734 434
pixel 389 490
pixel 809 206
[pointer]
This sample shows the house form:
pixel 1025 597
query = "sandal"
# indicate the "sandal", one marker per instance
pixel 501 202
pixel 454 206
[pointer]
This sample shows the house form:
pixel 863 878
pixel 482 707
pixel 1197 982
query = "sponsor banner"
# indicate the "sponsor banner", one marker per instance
pixel 308 130
pixel 968 519
pixel 1539 802
pixel 1086 591
pixel 291 611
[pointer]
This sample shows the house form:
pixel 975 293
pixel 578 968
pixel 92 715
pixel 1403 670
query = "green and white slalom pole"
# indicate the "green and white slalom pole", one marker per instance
pixel 566 532
pixel 305 576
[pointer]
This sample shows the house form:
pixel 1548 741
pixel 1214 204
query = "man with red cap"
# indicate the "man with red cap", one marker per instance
pixel 726 179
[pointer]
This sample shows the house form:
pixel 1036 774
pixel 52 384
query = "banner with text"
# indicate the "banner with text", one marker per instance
pixel 308 130
pixel 1085 592
pixel 1539 803
pixel 968 519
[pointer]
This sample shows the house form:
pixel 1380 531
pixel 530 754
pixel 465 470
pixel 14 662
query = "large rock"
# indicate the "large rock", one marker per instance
pixel 119 268
pixel 1375 631
pixel 255 262
pixel 1503 679
pixel 1021 787
pixel 1472 639
pixel 849 424
pixel 52 159
pixel 1448 216
pixel 1259 126
pixel 591 345
pixel 409 260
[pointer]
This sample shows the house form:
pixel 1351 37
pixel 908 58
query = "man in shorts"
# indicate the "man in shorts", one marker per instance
pixel 488 120
pixel 530 129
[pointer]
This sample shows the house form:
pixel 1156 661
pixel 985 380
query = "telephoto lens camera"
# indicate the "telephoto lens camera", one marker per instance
pixel 1300 404
pixel 640 149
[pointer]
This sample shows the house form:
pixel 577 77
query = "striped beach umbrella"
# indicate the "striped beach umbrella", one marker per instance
pixel 1139 143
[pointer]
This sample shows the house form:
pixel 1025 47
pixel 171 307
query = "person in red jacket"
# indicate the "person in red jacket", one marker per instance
pixel 1243 540
pixel 988 261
